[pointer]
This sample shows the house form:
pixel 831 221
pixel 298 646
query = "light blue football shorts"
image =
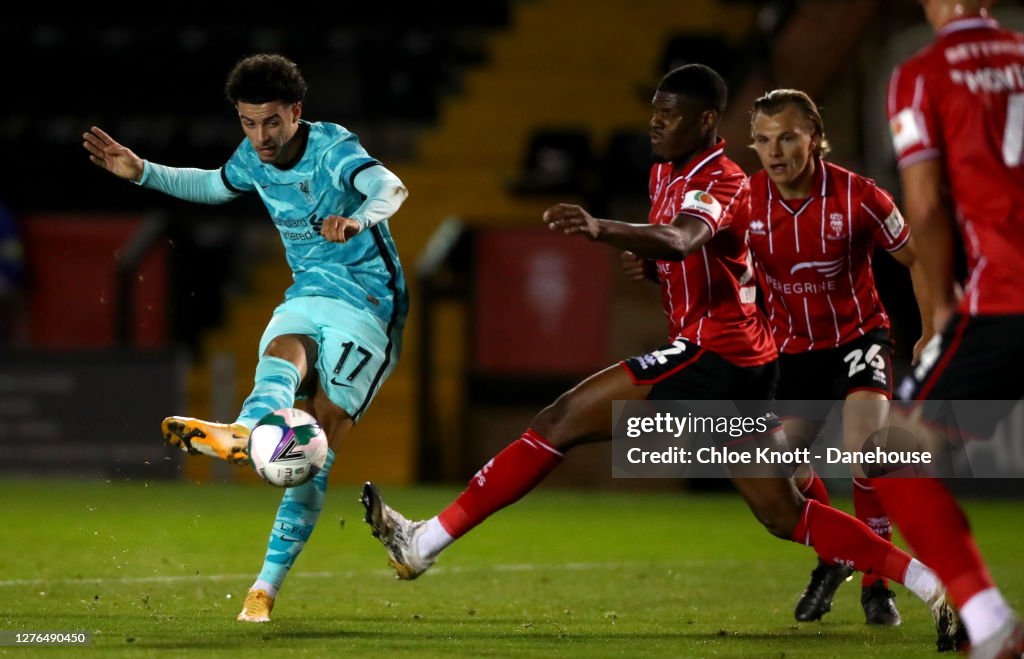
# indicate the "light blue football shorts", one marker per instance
pixel 355 352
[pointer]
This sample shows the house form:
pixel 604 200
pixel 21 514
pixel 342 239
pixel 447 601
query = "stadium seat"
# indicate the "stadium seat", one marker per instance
pixel 626 163
pixel 558 161
pixel 709 49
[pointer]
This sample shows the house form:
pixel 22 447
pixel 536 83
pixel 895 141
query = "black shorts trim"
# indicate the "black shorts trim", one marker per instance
pixel 684 370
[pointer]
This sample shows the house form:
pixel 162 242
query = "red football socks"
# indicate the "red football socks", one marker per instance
pixel 868 509
pixel 504 480
pixel 937 530
pixel 814 488
pixel 839 538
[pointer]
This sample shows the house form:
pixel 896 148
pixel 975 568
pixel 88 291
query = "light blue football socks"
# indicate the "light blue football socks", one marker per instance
pixel 276 380
pixel 297 515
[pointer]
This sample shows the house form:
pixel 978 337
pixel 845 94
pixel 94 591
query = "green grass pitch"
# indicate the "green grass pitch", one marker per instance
pixel 164 566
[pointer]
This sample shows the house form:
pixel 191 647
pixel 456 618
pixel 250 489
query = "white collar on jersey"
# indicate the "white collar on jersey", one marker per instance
pixel 699 161
pixel 967 23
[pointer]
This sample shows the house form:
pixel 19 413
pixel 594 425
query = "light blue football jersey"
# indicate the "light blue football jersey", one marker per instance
pixel 365 271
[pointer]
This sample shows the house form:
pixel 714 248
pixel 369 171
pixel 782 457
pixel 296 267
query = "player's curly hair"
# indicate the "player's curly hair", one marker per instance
pixel 265 78
pixel 777 100
pixel 699 83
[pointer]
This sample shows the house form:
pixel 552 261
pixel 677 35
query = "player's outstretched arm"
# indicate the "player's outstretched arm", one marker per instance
pixel 665 242
pixel 204 186
pixel 108 153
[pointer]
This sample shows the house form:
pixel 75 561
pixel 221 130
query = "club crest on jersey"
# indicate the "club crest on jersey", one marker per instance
pixel 836 226
pixel 304 189
pixel 757 227
pixel 702 203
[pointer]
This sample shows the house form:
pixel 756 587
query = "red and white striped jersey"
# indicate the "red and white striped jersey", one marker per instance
pixel 710 296
pixel 813 256
pixel 961 100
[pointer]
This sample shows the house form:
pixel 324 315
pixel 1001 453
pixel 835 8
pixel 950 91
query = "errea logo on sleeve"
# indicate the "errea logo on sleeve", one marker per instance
pixel 905 130
pixel 701 202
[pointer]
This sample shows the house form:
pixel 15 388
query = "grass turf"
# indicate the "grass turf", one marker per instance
pixel 164 566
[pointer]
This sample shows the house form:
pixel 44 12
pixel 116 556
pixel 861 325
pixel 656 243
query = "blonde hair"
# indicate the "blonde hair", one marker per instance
pixel 777 100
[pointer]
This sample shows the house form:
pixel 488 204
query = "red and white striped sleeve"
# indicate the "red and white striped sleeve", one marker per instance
pixel 887 225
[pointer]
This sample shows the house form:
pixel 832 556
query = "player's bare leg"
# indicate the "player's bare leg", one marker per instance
pixel 581 415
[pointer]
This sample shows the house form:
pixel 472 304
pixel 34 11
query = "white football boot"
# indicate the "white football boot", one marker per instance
pixel 951 635
pixel 396 533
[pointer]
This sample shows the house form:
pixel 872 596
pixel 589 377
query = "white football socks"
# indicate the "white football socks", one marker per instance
pixel 921 581
pixel 433 539
pixel 984 614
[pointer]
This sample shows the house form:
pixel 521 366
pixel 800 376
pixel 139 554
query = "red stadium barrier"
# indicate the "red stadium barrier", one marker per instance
pixel 72 263
pixel 541 304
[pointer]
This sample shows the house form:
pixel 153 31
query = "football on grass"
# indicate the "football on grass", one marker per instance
pixel 287 447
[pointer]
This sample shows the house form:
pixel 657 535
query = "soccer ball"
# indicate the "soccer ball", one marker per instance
pixel 287 447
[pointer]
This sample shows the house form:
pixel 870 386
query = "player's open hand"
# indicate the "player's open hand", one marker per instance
pixel 570 219
pixel 106 152
pixel 338 229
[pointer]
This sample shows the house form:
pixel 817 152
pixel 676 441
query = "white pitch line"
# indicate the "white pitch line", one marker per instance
pixel 130 580
pixel 501 567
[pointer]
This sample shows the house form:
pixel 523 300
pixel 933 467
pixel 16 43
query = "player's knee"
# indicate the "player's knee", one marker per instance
pixel 802 475
pixel 554 423
pixel 292 347
pixel 780 521
pixel 780 527
pixel 335 421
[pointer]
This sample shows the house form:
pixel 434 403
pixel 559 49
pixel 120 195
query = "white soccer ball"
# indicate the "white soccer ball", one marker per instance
pixel 287 447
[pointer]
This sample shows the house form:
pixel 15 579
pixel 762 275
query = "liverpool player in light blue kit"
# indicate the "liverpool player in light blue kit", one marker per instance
pixel 338 332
